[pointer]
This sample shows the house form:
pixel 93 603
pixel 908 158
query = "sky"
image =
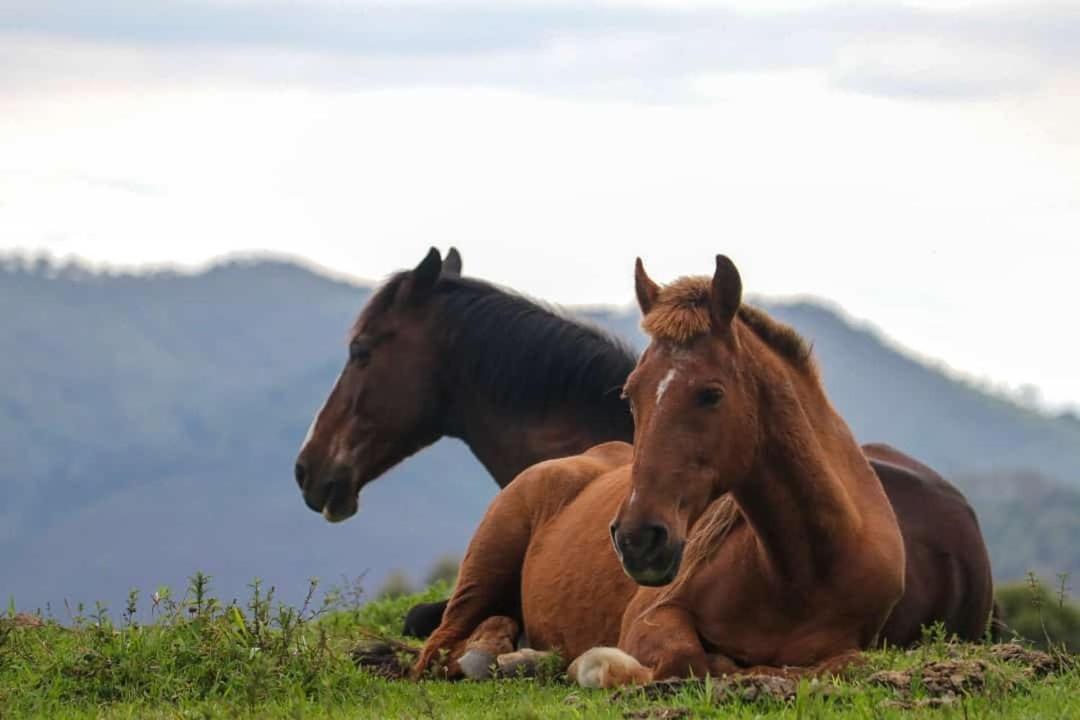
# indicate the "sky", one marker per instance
pixel 916 164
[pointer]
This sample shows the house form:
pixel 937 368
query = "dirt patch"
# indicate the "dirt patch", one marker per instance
pixel 1039 662
pixel 943 682
pixel 384 657
pixel 939 678
pixel 958 675
pixel 22 620
pixel 746 688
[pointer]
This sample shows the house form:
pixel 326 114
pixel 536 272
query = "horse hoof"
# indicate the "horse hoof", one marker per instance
pixel 606 667
pixel 477 664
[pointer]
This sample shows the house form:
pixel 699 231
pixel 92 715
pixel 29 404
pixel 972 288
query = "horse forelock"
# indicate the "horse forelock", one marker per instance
pixel 680 315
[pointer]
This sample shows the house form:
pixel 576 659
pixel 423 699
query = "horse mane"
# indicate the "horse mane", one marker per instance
pixel 681 315
pixel 524 355
pixel 706 537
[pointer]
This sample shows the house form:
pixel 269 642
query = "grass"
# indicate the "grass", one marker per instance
pixel 197 658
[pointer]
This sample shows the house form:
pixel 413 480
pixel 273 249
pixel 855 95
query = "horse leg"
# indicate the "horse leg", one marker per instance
pixel 493 639
pixel 489 582
pixel 661 644
pixel 839 665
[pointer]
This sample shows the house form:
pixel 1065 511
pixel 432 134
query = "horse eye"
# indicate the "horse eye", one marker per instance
pixel 710 397
pixel 359 352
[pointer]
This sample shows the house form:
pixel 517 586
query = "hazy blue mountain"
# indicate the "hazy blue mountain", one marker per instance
pixel 148 426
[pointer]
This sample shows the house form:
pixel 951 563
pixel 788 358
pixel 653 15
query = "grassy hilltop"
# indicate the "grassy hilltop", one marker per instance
pixel 196 657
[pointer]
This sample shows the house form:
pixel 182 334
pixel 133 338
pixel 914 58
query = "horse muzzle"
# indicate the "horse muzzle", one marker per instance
pixel 648 553
pixel 335 498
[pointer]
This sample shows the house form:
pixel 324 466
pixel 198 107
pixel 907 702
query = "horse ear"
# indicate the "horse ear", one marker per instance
pixel 726 294
pixel 422 278
pixel 451 264
pixel 645 288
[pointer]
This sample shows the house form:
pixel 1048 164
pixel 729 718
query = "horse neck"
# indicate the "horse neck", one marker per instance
pixel 798 498
pixel 506 442
pixel 507 438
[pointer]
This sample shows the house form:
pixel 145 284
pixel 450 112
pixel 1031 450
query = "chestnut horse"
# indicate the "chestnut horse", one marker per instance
pixel 793 556
pixel 437 354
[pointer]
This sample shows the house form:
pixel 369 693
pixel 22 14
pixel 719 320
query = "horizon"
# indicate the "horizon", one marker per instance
pixel 1022 396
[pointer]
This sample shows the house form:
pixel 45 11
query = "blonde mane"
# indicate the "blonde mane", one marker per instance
pixel 708 534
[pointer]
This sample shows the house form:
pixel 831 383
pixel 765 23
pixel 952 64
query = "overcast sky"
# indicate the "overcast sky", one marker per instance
pixel 917 164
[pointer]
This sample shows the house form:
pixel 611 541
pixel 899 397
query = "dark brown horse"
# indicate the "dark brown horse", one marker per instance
pixel 436 354
pixel 747 497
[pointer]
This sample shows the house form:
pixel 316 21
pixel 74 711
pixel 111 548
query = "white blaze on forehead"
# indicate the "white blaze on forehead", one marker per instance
pixel 662 387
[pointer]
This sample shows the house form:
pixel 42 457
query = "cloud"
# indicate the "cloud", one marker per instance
pixel 929 68
pixel 364 28
pixel 125 185
pixel 637 51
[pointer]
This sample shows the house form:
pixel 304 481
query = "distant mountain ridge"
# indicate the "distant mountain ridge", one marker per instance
pixel 148 425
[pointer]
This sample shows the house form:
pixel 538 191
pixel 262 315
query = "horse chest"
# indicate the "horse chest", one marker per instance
pixel 760 620
pixel 756 638
pixel 742 612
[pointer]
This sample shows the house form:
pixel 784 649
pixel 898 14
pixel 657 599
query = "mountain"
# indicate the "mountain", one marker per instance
pixel 148 425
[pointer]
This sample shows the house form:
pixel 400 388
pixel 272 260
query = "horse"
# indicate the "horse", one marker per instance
pixel 520 383
pixel 749 531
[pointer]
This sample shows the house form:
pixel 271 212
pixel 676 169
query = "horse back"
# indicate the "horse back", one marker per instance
pixel 549 486
pixel 947 574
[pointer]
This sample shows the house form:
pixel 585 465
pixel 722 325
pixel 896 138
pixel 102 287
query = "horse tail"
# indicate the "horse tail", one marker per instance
pixel 999 629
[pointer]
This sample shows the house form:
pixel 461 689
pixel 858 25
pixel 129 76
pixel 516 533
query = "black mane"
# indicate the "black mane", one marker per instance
pixel 527 356
pixel 523 355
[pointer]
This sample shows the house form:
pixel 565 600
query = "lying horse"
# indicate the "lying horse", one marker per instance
pixel 794 556
pixel 437 354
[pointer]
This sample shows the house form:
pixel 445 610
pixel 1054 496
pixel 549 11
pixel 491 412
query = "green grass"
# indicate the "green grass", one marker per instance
pixel 199 659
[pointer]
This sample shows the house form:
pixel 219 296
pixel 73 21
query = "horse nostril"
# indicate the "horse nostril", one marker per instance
pixel 653 537
pixel 301 474
pixel 642 542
